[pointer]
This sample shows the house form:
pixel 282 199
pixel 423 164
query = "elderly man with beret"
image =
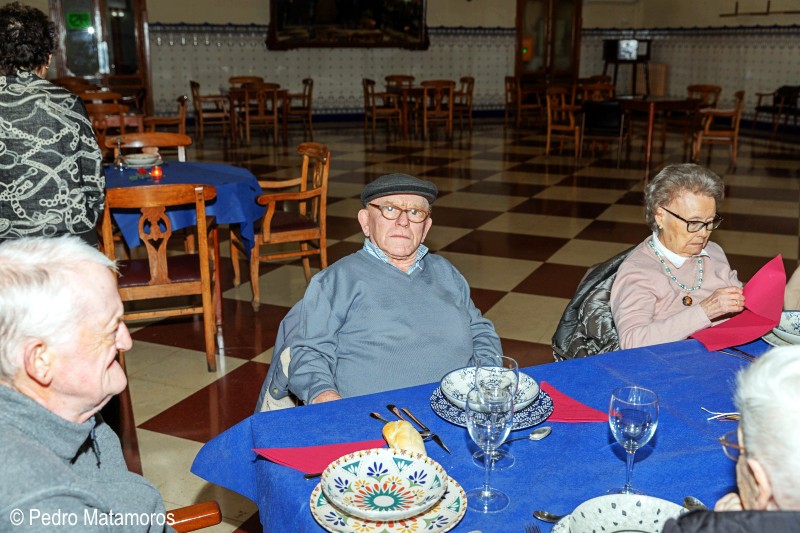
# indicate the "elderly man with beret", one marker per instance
pixel 391 315
pixel 60 329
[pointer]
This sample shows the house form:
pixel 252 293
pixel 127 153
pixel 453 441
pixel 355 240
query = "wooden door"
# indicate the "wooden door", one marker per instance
pixel 548 39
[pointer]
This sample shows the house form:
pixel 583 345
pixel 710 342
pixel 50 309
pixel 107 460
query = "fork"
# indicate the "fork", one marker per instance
pixel 532 527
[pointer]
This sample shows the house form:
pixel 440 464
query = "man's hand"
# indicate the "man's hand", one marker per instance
pixel 729 502
pixel 327 396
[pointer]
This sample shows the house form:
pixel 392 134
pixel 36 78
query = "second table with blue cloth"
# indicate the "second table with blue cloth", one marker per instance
pixel 578 461
pixel 237 190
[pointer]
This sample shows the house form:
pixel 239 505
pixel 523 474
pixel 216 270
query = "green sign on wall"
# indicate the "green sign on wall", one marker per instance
pixel 79 21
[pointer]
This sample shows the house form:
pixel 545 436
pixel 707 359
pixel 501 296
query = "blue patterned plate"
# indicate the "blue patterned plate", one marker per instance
pixel 443 516
pixel 456 385
pixel 534 414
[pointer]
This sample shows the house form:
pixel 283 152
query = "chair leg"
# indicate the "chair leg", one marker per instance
pixel 254 263
pixel 237 278
pixel 306 262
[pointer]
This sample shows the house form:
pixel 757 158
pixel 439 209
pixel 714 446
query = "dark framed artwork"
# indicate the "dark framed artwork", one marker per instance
pixel 347 24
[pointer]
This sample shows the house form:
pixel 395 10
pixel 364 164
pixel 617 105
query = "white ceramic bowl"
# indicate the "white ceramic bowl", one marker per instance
pixel 141 159
pixel 623 512
pixel 384 483
pixel 789 327
pixel 457 384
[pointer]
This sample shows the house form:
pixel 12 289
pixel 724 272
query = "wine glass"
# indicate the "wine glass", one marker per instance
pixel 633 417
pixel 493 376
pixel 489 420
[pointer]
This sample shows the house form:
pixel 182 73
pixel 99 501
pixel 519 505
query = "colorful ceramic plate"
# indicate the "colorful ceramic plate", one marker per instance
pixel 534 414
pixel 623 512
pixel 443 516
pixel 457 384
pixel 773 340
pixel 384 483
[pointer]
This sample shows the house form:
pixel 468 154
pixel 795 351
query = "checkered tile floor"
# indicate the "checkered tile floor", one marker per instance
pixel 522 228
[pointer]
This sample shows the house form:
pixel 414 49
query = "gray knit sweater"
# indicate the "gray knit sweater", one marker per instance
pixel 367 326
pixel 53 469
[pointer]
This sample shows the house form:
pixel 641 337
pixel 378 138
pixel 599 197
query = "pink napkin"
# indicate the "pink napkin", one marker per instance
pixel 566 409
pixel 762 310
pixel 313 459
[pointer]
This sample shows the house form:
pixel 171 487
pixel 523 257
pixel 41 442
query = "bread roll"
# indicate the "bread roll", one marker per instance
pixel 402 435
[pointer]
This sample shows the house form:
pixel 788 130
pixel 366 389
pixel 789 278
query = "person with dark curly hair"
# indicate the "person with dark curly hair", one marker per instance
pixel 51 174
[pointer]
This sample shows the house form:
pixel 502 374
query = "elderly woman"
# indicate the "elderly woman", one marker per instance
pixel 676 282
pixel 51 178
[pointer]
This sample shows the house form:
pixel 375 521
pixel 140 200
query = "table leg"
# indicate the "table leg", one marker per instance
pixel 651 112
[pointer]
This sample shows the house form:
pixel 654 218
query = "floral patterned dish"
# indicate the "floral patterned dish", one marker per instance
pixel 534 414
pixel 443 516
pixel 457 384
pixel 384 483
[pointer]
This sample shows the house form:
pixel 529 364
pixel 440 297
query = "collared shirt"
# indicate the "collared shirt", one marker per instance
pixel 671 256
pixel 373 250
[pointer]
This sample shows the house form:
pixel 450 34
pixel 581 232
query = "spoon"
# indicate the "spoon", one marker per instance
pixel 544 516
pixel 692 503
pixel 536 434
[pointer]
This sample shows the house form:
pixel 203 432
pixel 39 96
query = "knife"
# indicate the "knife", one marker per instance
pixel 436 438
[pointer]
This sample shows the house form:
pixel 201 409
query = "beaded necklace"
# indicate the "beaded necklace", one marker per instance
pixel 686 300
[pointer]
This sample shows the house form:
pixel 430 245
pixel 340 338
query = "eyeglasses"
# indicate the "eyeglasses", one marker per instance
pixel 392 212
pixel 693 226
pixel 731 446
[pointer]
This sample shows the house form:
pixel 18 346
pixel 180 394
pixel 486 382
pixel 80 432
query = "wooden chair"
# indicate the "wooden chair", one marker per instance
pixel 462 101
pixel 783 104
pixel 210 108
pixel 597 92
pixel 689 122
pixel 164 275
pixel 150 142
pixel 437 105
pixel 510 99
pixel 523 102
pixel 76 84
pixel 561 118
pixel 259 105
pixel 602 121
pixel 105 117
pixel 179 120
pixel 100 97
pixel 720 126
pixel 399 81
pixel 302 109
pixel 380 106
pixel 238 81
pixel 304 226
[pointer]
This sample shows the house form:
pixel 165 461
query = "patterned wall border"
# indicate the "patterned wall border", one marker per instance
pixel 722 31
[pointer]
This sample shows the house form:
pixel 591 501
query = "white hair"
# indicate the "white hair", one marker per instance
pixel 37 299
pixel 768 398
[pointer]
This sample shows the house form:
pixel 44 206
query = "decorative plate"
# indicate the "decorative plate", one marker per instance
pixel 443 516
pixel 773 340
pixel 457 384
pixel 151 161
pixel 535 413
pixel 562 526
pixel 384 483
pixel 789 328
pixel 623 512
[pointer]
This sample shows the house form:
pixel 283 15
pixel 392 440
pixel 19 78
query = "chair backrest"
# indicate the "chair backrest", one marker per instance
pixel 558 101
pixel 707 94
pixel 510 91
pixel 308 93
pixel 150 142
pixel 100 97
pixel 261 100
pixel 399 80
pixel 786 96
pixel 598 92
pixel 241 80
pixel 465 90
pixel 194 87
pixel 99 113
pixel 155 228
pixel 438 96
pixel 369 93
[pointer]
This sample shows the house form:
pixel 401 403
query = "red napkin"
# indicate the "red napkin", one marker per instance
pixel 313 459
pixel 565 409
pixel 762 310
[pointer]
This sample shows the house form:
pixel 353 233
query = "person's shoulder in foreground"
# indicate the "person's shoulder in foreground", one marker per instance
pixel 60 330
pixel 735 522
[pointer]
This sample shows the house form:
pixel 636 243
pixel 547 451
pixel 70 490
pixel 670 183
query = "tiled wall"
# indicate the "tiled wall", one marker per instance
pixel 756 59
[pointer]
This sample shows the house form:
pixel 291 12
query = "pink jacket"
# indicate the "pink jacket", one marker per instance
pixel 646 303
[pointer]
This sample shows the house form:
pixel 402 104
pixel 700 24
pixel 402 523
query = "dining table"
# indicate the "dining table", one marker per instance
pixel 237 190
pixel 578 461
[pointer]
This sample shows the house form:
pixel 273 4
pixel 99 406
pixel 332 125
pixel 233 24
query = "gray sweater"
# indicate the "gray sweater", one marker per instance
pixel 366 326
pixel 53 469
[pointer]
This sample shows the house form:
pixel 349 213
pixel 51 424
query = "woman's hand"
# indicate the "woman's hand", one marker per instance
pixel 729 502
pixel 723 301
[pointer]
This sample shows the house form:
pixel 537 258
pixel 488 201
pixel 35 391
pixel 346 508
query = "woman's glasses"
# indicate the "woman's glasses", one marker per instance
pixel 693 226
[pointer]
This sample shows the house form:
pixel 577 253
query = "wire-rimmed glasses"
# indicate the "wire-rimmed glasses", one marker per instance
pixel 731 446
pixel 392 212
pixel 693 226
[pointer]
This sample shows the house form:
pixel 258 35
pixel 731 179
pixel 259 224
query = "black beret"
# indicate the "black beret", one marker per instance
pixel 398 184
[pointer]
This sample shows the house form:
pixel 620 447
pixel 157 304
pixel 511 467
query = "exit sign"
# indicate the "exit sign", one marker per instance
pixel 79 20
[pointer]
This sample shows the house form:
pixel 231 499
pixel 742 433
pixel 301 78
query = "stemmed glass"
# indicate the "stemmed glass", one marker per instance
pixel 633 417
pixel 496 375
pixel 489 420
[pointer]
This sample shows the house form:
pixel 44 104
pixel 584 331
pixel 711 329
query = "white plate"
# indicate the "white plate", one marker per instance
pixel 443 516
pixel 623 513
pixel 155 163
pixel 773 340
pixel 534 414
pixel 562 526
pixel 384 484
pixel 457 384
pixel 785 336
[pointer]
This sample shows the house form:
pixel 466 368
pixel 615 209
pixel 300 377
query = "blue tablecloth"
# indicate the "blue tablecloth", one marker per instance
pixel 237 190
pixel 577 462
